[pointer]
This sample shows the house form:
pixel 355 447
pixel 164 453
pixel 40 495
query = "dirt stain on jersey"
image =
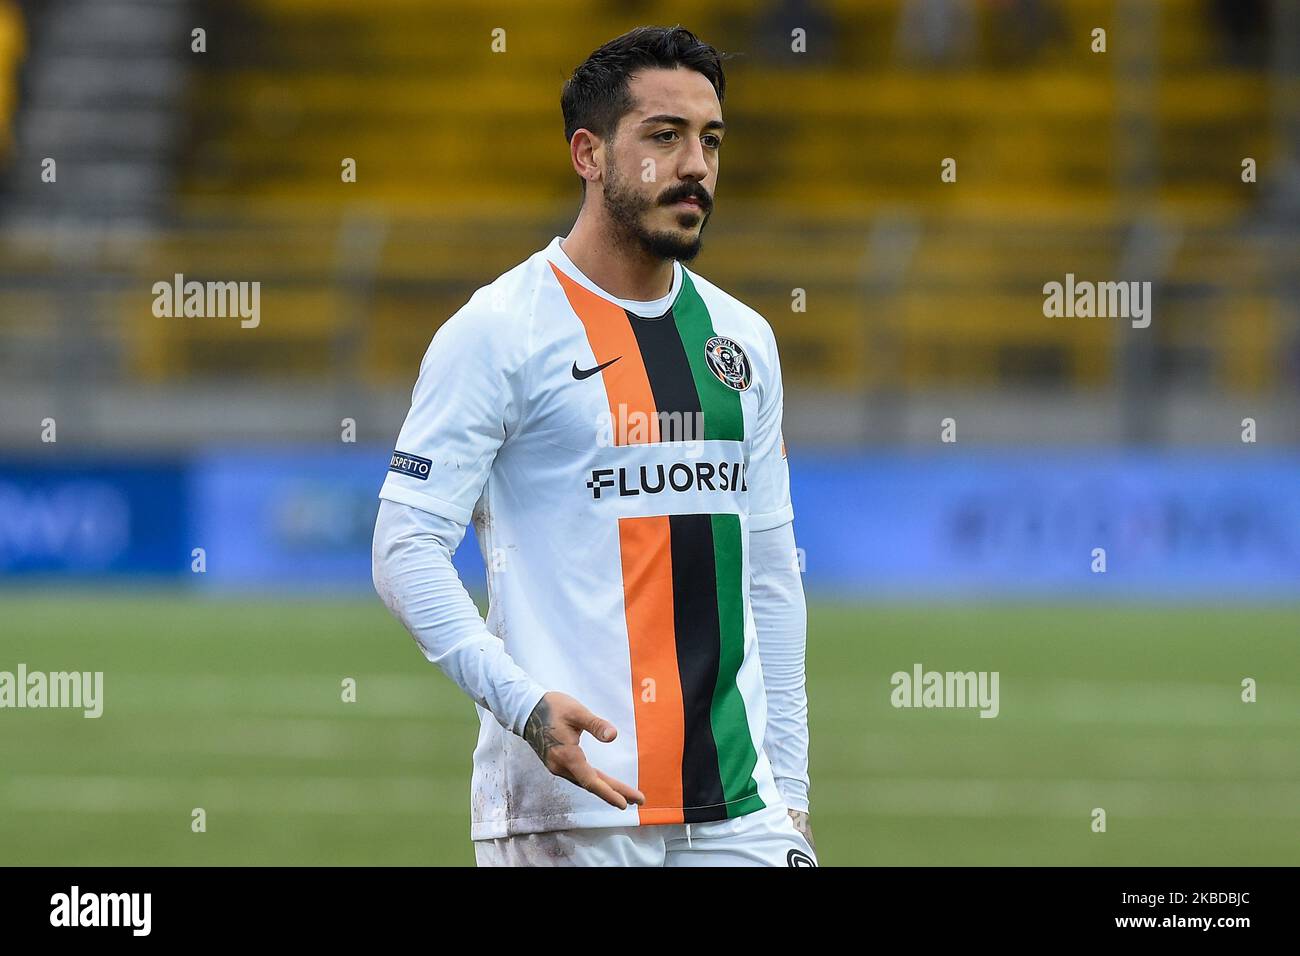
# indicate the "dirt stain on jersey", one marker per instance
pixel 536 799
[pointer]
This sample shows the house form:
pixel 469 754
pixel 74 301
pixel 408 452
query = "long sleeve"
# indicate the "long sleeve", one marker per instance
pixel 781 619
pixel 413 573
pixel 776 588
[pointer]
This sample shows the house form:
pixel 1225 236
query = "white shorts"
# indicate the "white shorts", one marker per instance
pixel 766 837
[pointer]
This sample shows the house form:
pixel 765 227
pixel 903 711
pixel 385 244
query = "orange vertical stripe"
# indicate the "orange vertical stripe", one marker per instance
pixel 626 382
pixel 645 545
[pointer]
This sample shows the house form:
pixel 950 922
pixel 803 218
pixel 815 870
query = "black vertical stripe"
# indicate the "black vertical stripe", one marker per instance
pixel 695 620
pixel 671 381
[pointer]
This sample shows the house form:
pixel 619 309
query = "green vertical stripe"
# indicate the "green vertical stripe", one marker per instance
pixel 736 755
pixel 723 418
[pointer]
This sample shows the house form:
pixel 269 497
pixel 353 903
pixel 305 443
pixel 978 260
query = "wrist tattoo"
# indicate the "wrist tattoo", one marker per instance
pixel 538 732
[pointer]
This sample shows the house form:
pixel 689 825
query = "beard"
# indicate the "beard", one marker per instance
pixel 627 210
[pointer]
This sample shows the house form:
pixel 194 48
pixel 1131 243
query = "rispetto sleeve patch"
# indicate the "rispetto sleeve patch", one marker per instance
pixel 412 465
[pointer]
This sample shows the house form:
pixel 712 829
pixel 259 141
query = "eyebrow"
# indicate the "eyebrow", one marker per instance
pixel 680 121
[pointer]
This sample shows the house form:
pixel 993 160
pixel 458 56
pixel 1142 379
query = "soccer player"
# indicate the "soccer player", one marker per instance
pixel 611 423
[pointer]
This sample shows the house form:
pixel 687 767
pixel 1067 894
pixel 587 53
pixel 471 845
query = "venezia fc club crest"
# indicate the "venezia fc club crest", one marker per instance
pixel 728 362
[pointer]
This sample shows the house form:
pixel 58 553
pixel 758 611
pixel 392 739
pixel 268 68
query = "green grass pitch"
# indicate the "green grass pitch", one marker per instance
pixel 235 706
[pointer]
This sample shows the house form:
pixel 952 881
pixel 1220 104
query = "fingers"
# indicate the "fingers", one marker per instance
pixel 614 792
pixel 598 727
pixel 802 824
pixel 568 760
pixel 587 777
pixel 631 794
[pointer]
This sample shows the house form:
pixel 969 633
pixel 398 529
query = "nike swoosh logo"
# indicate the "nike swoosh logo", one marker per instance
pixel 581 373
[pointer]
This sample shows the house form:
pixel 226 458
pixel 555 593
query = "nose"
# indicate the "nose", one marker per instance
pixel 693 165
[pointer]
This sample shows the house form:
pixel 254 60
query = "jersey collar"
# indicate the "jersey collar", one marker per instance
pixel 649 310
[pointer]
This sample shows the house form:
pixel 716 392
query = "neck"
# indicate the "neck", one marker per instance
pixel 621 268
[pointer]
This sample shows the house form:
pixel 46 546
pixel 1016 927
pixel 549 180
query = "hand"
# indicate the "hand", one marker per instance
pixel 553 731
pixel 801 823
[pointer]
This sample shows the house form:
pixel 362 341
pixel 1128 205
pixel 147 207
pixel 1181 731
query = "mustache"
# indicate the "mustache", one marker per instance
pixel 692 192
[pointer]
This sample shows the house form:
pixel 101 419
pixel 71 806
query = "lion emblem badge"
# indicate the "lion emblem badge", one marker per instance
pixel 728 362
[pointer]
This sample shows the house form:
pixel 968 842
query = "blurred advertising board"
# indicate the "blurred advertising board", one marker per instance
pixel 1014 524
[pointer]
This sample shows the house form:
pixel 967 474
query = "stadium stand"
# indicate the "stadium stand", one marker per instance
pixel 830 185
pixel 13 44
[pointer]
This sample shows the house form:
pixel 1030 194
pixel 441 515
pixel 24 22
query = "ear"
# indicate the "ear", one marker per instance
pixel 586 151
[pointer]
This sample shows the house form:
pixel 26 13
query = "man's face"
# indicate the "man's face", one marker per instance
pixel 662 165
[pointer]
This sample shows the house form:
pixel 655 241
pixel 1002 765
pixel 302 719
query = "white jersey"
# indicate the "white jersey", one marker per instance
pixel 613 457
